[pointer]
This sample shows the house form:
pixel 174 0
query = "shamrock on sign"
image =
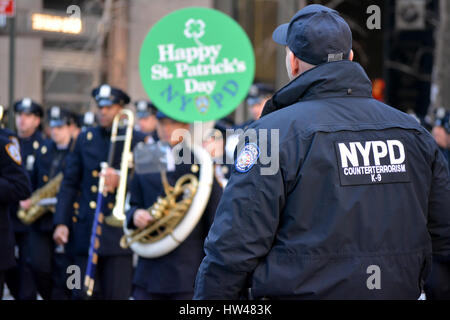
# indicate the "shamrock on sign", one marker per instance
pixel 194 29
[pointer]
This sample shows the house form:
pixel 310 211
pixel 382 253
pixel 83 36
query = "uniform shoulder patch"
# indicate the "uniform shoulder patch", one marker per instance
pixel 14 153
pixel 247 158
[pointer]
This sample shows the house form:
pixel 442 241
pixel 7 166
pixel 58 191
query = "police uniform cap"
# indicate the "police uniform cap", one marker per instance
pixel 88 119
pixel 443 119
pixel 106 96
pixel 258 91
pixel 145 108
pixel 28 106
pixel 58 117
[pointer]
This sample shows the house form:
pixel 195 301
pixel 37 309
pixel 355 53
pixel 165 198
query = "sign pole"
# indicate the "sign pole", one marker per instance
pixel 12 36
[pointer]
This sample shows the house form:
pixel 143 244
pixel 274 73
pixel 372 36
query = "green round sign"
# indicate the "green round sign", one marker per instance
pixel 196 64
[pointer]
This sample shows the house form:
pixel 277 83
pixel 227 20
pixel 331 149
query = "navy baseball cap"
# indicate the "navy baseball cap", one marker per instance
pixel 58 117
pixel 106 96
pixel 145 108
pixel 27 105
pixel 316 34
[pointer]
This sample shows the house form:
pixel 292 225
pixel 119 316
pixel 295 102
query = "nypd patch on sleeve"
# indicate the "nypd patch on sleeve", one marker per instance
pixel 14 153
pixel 372 162
pixel 247 158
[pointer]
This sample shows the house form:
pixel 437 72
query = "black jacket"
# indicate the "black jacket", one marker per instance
pixel 14 186
pixel 29 149
pixel 359 185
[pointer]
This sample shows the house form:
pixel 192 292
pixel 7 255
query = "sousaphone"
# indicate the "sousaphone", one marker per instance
pixel 176 214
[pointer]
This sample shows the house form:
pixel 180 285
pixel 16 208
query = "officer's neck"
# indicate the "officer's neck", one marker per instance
pixel 26 134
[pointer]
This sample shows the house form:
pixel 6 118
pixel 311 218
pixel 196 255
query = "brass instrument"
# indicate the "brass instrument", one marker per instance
pixel 176 214
pixel 126 116
pixel 36 210
pixel 167 211
pixel 1 112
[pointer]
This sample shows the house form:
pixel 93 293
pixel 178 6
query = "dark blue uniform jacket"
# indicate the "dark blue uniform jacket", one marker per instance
pixel 77 198
pixel 14 186
pixel 49 162
pixel 29 149
pixel 360 186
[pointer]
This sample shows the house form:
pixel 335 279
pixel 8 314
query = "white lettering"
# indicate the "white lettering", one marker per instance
pixel 192 86
pixel 347 154
pixel 379 151
pixel 401 149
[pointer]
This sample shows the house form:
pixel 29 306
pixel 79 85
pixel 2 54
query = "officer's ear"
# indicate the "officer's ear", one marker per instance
pixel 351 55
pixel 295 64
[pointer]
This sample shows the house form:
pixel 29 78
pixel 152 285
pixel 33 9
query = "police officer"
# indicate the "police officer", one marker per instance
pixel 146 114
pixel 74 124
pixel 78 194
pixel 15 186
pixel 28 116
pixel 169 277
pixel 359 188
pixel 88 120
pixel 257 96
pixel 437 286
pixel 48 262
pixel 215 143
pixel 441 132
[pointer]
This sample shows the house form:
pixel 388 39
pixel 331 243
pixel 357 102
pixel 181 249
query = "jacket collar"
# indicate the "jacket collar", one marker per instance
pixel 334 79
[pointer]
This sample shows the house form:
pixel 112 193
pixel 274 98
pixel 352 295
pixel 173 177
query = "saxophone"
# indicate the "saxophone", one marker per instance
pixel 36 209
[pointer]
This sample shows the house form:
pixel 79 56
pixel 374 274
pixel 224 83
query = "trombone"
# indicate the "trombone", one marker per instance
pixel 117 218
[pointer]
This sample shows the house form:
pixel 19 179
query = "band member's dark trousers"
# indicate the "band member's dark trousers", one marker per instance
pixel 19 279
pixel 49 268
pixel 112 278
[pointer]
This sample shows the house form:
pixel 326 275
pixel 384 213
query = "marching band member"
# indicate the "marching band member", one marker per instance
pixel 171 276
pixel 48 166
pixel 77 200
pixel 15 186
pixel 146 115
pixel 28 116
